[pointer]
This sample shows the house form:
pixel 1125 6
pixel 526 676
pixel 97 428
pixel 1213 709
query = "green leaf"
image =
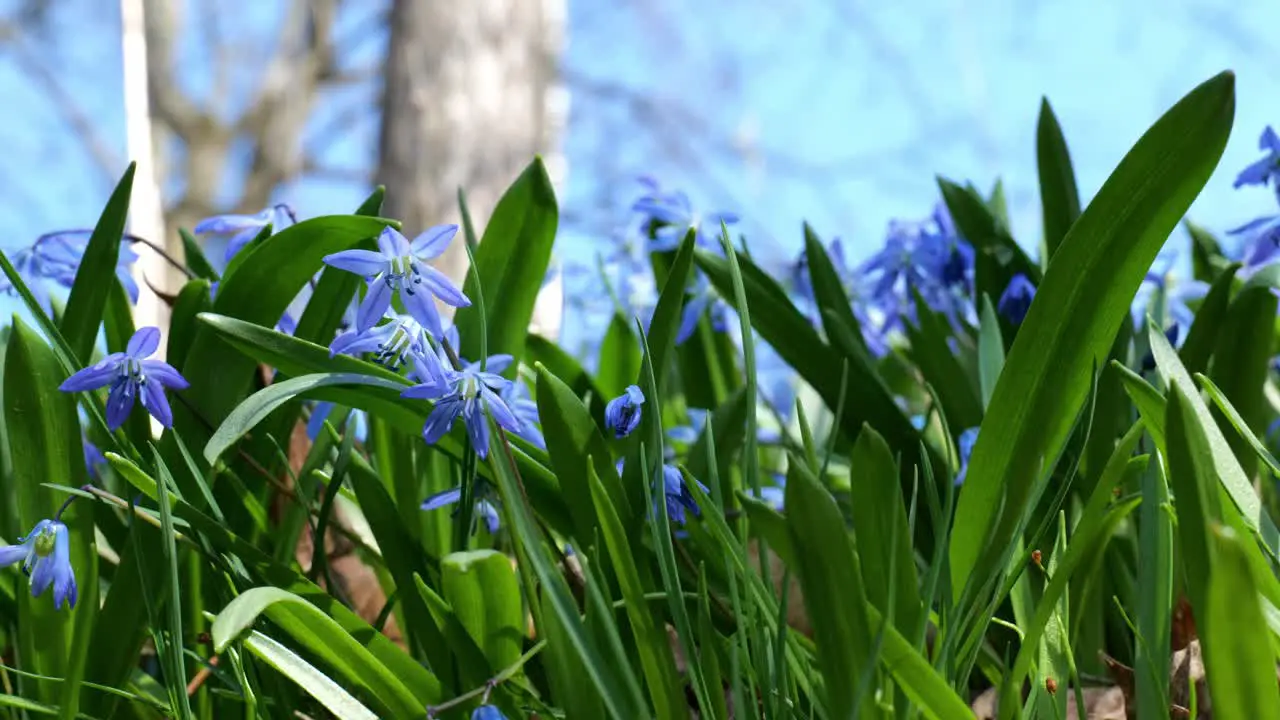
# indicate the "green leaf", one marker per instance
pixel 320 635
pixel 867 398
pixel 619 358
pixel 961 402
pixel 834 590
pixel 564 366
pixel 1224 406
pixel 828 289
pixel 1097 521
pixel 481 587
pixel 990 352
pixel 1239 660
pixel 316 683
pixel 197 263
pixel 1203 336
pixel 1191 473
pixel 258 292
pixel 656 659
pixel 192 300
pixel 665 323
pixel 1080 304
pixel 43 434
pixel 576 447
pixel 295 357
pixel 771 526
pixel 97 272
pixel 372 205
pixel 1155 595
pixel 566 668
pixel 261 404
pixel 511 263
pixel 1059 197
pixel 1225 465
pixel 618 688
pixel 171 652
pixel 879 515
pixel 1242 361
pixel 1206 253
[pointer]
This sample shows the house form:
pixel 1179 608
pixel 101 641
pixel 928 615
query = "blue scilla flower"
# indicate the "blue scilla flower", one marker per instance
pixel 855 286
pixel 1267 170
pixel 622 414
pixel 471 394
pixel 62 251
pixel 242 229
pixel 94 460
pixel 394 343
pixel 1016 299
pixel 1261 243
pixel 131 375
pixel 705 301
pixel 400 266
pixel 924 257
pixel 485 510
pixel 671 216
pixel 966 443
pixel 45 554
pixel 487 712
pixel 677 496
pixel 34 271
pixel 516 396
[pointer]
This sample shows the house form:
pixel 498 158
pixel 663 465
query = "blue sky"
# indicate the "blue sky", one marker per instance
pixel 836 112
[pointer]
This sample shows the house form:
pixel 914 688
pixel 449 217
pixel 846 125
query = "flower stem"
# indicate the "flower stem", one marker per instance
pixel 487 688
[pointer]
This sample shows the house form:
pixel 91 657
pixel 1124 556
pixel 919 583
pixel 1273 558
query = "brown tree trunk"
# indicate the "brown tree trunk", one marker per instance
pixel 471 95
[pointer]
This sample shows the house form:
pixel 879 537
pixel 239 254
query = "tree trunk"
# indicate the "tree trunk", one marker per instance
pixel 471 95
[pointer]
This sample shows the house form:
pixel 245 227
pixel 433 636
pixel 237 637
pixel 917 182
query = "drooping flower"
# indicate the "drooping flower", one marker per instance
pixel 62 252
pixel 484 509
pixel 671 215
pixel 131 375
pixel 1016 299
pixel 622 414
pixel 242 229
pixel 966 442
pixel 45 554
pixel 1266 170
pixel 487 712
pixel 400 266
pixel 516 396
pixel 469 393
pixel 676 494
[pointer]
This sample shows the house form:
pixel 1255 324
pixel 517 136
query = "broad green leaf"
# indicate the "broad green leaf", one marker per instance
pixel 421 681
pixel 316 683
pixel 1239 660
pixel 1080 304
pixel 308 626
pixel 481 587
pixel 195 258
pixel 97 272
pixel 652 643
pixel 193 299
pixel 1207 258
pixel 295 357
pixel 1203 336
pixel 771 526
pixel 262 403
pixel 990 352
pixel 961 401
pixel 575 447
pixel 834 591
pixel 828 289
pixel 1191 475
pixel 1225 465
pixel 665 323
pixel 619 357
pixel 43 436
pixel 867 397
pixel 882 530
pixel 258 292
pixel 566 668
pixel 511 263
pixel 1155 595
pixel 1097 522
pixel 1224 406
pixel 564 366
pixel 1242 361
pixel 619 691
pixel 1059 197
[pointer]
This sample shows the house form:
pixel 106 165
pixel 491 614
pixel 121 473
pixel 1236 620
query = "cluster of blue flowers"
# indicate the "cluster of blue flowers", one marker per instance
pixel 56 257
